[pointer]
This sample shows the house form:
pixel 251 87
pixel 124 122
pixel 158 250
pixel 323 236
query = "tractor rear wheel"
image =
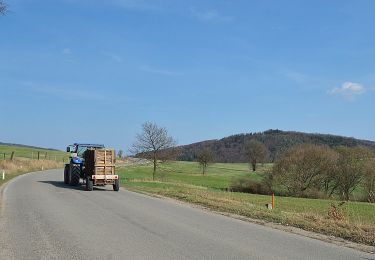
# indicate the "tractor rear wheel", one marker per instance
pixel 66 174
pixel 89 184
pixel 116 186
pixel 75 175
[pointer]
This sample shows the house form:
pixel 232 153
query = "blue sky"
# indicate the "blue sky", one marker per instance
pixel 94 71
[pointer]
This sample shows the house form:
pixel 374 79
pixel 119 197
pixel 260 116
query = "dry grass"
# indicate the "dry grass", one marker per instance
pixel 19 166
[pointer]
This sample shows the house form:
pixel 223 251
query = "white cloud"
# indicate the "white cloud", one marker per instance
pixel 210 15
pixel 113 56
pixel 67 51
pixel 349 90
pixel 159 71
pixel 296 76
pixel 137 4
pixel 69 93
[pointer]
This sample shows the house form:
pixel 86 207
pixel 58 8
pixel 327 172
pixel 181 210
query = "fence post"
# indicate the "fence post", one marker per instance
pixel 4 156
pixel 12 156
pixel 38 155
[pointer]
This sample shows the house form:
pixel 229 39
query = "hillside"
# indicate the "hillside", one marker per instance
pixel 31 152
pixel 230 149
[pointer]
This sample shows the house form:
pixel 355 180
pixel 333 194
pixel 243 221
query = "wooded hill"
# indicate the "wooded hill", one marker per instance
pixel 230 149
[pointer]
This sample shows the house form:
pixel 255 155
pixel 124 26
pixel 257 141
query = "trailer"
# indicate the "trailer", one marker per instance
pixel 100 168
pixel 93 164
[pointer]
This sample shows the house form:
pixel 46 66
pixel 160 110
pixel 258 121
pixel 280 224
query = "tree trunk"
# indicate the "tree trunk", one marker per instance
pixel 254 164
pixel 154 171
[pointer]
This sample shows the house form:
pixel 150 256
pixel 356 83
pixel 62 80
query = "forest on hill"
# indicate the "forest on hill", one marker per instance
pixel 230 149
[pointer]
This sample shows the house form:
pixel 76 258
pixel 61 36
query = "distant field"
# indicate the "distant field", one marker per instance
pixel 32 153
pixel 26 160
pixel 183 181
pixel 218 175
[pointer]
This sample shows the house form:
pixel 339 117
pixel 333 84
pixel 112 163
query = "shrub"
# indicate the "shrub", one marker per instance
pixel 248 185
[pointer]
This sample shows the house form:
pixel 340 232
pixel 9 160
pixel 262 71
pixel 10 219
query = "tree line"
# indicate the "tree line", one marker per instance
pixel 230 149
pixel 309 170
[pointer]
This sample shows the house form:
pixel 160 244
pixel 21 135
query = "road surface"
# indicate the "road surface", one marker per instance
pixel 41 218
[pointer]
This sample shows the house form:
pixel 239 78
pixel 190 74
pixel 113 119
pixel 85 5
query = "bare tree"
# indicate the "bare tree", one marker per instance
pixel 369 180
pixel 351 169
pixel 256 152
pixel 204 158
pixel 151 142
pixel 3 8
pixel 304 167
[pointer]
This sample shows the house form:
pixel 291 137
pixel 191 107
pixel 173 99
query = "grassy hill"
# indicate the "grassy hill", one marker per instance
pixel 230 149
pixel 31 152
pixel 25 159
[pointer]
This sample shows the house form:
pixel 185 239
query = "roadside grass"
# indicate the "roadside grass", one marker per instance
pixel 183 181
pixel 23 165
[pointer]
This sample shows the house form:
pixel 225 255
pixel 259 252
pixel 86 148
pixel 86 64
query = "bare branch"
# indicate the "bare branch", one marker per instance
pixel 152 142
pixel 3 8
pixel 204 158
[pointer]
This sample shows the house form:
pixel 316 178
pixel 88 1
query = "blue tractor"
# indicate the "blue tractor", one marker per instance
pixel 74 171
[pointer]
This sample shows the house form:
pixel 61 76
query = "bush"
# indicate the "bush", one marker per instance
pixel 248 185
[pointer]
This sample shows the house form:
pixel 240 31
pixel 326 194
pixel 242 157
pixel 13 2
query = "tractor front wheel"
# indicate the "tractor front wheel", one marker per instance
pixel 116 186
pixel 75 175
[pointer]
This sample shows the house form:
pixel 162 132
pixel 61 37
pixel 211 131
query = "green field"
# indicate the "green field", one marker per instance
pixel 218 175
pixel 31 153
pixel 183 181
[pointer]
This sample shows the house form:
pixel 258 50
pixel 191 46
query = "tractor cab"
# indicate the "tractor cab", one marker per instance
pixel 77 149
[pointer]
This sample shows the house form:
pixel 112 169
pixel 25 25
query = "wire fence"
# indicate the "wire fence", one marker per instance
pixel 34 155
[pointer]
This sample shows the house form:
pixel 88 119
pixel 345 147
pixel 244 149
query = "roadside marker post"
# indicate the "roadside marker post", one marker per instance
pixel 273 200
pixel 3 175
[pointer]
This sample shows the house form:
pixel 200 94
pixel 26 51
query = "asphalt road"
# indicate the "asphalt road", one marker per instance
pixel 41 218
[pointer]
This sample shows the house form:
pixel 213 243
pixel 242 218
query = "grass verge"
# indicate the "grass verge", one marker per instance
pixel 20 166
pixel 353 221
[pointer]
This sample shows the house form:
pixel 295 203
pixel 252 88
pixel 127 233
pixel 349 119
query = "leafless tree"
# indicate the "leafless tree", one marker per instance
pixel 256 152
pixel 151 142
pixel 3 8
pixel 170 154
pixel 304 167
pixel 351 166
pixel 204 158
pixel 369 180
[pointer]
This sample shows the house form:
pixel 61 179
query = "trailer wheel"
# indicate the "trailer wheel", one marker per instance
pixel 75 175
pixel 66 174
pixel 89 184
pixel 116 186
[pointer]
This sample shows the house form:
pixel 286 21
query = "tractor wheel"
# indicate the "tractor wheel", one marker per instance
pixel 66 174
pixel 116 186
pixel 75 175
pixel 89 184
